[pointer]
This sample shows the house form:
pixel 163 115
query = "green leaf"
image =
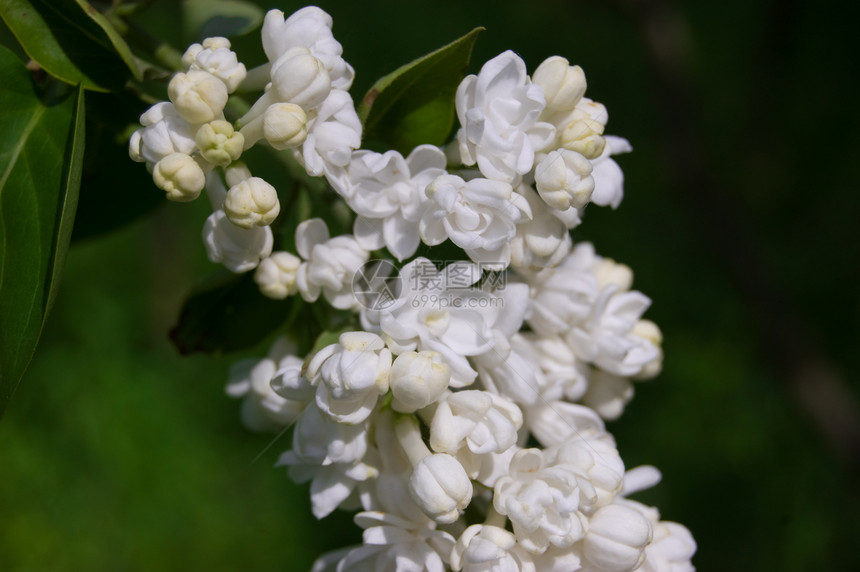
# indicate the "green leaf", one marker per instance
pixel 207 18
pixel 68 43
pixel 114 37
pixel 41 152
pixel 227 314
pixel 415 103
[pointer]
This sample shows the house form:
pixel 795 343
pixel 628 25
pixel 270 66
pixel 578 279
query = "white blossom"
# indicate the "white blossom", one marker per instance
pixel 498 111
pixel 163 132
pixel 300 78
pixel 485 548
pixel 483 422
pixel 542 501
pixel 350 376
pixel 608 178
pixel 238 249
pixel 198 95
pixel 616 539
pixel 563 179
pixel 282 125
pixel 334 131
pixel 417 380
pixel 441 487
pixel 479 216
pixel 219 143
pixel 214 56
pixel 563 84
pixel 330 264
pixel 386 191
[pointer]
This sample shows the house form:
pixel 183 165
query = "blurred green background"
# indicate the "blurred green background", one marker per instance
pixel 739 221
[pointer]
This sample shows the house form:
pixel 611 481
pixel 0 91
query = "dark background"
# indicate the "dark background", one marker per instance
pixel 739 221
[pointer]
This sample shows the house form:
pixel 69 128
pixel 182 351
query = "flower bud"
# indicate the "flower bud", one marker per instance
pixel 199 96
pixel 608 272
pixel 180 177
pixel 648 330
pixel 253 202
pixel 238 249
pixel 300 78
pixel 441 487
pixel 283 125
pixel 276 275
pixel 219 143
pixel 418 379
pixel 563 180
pixel 616 539
pixel 563 84
pixel 236 173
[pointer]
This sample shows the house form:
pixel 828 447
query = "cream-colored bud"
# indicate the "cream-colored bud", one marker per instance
pixel 648 330
pixel 563 84
pixel 276 275
pixel 216 42
pixel 582 134
pixel 564 180
pixel 199 96
pixel 616 539
pixel 610 272
pixel 417 380
pixel 283 125
pixel 301 78
pixel 219 143
pixel 190 55
pixel 253 202
pixel 180 177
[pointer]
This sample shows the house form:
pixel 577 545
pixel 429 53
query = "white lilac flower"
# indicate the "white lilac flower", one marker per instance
pixel 350 376
pixel 417 380
pixel 439 484
pixel 596 459
pixel 607 175
pixel 563 179
pixel 319 440
pixel 608 394
pixel 334 132
pixel 330 264
pixel 486 548
pixel 479 216
pixel 310 28
pixel 498 111
pixel 616 539
pixel 563 84
pixel 517 377
pixel 393 543
pixel 199 96
pixel 565 374
pixel 439 311
pixel 554 422
pixel 479 420
pixel 163 132
pixel 214 56
pixel 541 241
pixel 282 125
pixel 299 78
pixel 386 191
pixel 238 249
pixel 672 546
pixel 262 408
pixel 542 501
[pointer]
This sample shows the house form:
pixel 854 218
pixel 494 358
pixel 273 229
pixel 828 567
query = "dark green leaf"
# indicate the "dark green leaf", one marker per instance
pixel 228 313
pixel 103 204
pixel 206 18
pixel 67 43
pixel 41 152
pixel 113 36
pixel 415 103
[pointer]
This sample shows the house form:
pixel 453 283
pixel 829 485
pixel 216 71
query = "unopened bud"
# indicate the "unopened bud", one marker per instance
pixel 253 202
pixel 276 275
pixel 610 272
pixel 563 84
pixel 219 143
pixel 179 176
pixel 301 78
pixel 417 380
pixel 283 125
pixel 616 539
pixel 441 487
pixel 564 180
pixel 648 330
pixel 199 96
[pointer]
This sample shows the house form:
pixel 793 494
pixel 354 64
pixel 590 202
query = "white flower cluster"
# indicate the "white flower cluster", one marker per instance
pixel 464 414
